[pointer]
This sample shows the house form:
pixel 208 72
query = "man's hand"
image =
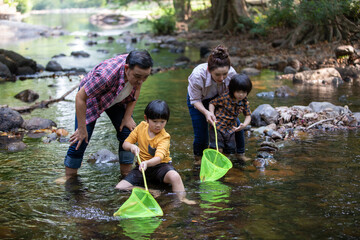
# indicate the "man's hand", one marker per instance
pixel 79 136
pixel 127 122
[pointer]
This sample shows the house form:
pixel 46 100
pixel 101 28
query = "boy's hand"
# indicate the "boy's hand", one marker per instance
pixel 143 165
pixel 134 149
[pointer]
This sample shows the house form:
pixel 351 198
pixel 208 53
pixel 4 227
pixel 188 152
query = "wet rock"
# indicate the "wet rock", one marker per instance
pixel 285 91
pixel 4 71
pixel 319 76
pixel 27 95
pixel 17 63
pixel 264 115
pixel 259 162
pixel 278 65
pixel 264 154
pixel 251 71
pixel 80 54
pixel 289 70
pixel 277 43
pixel 295 64
pixel 267 149
pixel 103 156
pixel 10 119
pixel 39 123
pixel 321 106
pixel 90 42
pixel 16 146
pixel 59 55
pixel 344 50
pixel 53 66
pixel 357 117
pixel 269 144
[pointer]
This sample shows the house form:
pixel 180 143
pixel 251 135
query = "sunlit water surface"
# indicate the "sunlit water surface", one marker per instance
pixel 311 193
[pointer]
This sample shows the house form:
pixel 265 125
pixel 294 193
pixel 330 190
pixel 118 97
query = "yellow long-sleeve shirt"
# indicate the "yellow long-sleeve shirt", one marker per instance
pixel 157 146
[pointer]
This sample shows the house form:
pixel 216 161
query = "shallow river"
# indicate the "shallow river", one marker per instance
pixel 311 193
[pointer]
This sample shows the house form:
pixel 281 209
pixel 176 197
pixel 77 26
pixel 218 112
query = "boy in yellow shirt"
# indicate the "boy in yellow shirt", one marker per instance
pixel 153 149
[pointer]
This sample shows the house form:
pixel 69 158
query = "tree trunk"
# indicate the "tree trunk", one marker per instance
pixel 182 9
pixel 226 13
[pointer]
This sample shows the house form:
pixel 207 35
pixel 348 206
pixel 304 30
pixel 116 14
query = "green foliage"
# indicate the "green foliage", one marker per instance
pixel 56 4
pixel 200 24
pixel 286 13
pixel 21 5
pixel 165 24
pixel 282 13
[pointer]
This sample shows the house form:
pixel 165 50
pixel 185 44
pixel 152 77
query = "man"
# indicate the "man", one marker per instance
pixel 112 86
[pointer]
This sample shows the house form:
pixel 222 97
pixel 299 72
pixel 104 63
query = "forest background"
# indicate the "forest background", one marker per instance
pixel 298 21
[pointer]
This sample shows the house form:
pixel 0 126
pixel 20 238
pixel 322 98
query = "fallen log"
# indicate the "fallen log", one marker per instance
pixel 44 103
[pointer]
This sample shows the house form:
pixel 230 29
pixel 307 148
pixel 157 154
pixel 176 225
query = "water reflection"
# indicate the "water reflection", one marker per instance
pixel 139 228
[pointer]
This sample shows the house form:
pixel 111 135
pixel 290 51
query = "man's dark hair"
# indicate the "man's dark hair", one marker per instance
pixel 157 109
pixel 140 58
pixel 240 82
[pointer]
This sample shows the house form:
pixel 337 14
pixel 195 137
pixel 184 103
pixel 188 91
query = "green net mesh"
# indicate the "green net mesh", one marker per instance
pixel 140 204
pixel 214 165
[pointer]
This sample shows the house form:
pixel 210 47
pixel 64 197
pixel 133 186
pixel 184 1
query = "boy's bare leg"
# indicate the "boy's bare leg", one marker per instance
pixel 124 185
pixel 172 177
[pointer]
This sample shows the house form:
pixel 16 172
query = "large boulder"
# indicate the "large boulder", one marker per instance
pixel 264 115
pixel 319 76
pixel 10 119
pixel 38 123
pixel 4 71
pixel 16 63
pixel 321 106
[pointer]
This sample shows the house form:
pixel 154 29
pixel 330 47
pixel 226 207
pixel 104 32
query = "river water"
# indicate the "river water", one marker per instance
pixel 311 193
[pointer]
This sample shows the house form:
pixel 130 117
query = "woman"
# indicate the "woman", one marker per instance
pixel 207 81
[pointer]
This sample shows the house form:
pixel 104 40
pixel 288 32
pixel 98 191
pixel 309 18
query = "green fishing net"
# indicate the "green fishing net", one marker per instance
pixel 214 165
pixel 140 204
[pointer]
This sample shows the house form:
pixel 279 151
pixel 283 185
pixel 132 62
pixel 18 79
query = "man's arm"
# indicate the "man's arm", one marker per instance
pixel 128 121
pixel 80 105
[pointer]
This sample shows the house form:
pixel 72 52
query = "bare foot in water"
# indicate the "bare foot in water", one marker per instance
pixel 188 202
pixel 61 180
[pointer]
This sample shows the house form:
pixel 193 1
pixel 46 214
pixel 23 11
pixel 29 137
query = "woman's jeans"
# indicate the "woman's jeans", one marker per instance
pixel 116 113
pixel 201 130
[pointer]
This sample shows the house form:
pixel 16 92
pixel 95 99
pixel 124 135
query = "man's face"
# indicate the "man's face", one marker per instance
pixel 137 75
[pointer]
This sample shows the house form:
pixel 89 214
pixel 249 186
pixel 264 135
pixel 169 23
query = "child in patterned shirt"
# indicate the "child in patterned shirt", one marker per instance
pixel 226 109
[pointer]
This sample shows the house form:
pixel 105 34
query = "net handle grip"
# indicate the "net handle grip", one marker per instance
pixel 143 172
pixel 216 140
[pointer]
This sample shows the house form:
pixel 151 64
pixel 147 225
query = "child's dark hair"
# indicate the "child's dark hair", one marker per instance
pixel 157 109
pixel 240 82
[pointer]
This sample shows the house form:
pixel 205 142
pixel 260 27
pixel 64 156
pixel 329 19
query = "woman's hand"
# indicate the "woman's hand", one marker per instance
pixel 143 165
pixel 210 117
pixel 79 136
pixel 127 122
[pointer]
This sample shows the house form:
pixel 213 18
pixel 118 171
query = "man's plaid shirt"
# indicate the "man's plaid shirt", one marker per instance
pixel 102 84
pixel 227 111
